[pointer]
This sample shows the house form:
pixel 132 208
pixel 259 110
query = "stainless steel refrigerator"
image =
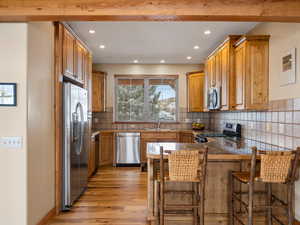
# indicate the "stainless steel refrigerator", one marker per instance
pixel 75 146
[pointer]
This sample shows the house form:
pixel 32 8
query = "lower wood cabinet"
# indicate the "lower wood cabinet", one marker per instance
pixel 93 161
pixel 186 137
pixel 147 137
pixel 107 148
pixel 92 157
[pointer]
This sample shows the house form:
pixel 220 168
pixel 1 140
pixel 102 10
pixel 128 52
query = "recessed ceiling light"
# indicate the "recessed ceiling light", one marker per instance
pixel 162 61
pixel 189 57
pixel 102 46
pixel 92 31
pixel 207 32
pixel 196 47
pixel 135 61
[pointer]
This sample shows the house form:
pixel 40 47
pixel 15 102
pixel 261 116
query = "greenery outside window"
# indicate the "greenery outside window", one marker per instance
pixel 146 98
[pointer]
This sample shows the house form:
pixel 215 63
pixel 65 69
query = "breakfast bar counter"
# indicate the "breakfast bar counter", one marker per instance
pixel 223 156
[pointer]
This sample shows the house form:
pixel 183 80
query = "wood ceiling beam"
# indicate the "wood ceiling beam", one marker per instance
pixel 153 10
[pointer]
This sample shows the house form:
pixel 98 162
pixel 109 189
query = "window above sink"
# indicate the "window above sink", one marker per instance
pixel 146 98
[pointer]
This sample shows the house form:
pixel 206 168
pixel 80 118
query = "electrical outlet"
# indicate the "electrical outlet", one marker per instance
pixel 11 142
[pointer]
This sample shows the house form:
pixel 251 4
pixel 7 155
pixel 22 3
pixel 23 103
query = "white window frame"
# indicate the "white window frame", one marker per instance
pixel 146 79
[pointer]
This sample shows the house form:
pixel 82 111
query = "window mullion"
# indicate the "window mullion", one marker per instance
pixel 146 115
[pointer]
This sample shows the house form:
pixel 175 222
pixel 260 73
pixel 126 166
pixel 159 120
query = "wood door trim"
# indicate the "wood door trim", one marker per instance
pixel 58 77
pixel 47 217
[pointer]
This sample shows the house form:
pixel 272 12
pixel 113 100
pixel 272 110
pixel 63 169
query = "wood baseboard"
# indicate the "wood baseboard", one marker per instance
pixel 47 217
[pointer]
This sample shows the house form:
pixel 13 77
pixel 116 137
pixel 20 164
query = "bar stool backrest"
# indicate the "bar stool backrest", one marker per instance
pixel 186 165
pixel 276 166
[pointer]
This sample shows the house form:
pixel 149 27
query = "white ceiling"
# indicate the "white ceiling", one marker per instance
pixel 150 42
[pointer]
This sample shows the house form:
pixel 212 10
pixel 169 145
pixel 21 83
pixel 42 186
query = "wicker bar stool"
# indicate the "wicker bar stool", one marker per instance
pixel 276 167
pixel 186 166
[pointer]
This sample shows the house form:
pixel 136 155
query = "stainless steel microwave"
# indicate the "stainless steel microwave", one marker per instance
pixel 214 98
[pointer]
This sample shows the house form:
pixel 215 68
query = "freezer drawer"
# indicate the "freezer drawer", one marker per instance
pixel 128 148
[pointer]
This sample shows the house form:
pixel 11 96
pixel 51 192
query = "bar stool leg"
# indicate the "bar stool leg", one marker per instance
pixel 231 204
pixel 250 206
pixel 195 213
pixel 201 188
pixel 161 204
pixel 269 203
pixel 290 204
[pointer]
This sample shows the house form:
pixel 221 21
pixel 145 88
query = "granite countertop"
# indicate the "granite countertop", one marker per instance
pixel 218 148
pixel 148 130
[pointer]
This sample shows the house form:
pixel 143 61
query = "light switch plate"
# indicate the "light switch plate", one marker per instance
pixel 11 142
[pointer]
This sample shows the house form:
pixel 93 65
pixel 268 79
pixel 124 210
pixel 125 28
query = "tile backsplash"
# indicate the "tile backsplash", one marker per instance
pixel 279 126
pixel 105 121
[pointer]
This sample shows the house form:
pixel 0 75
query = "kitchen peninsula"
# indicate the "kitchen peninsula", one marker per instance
pixel 223 156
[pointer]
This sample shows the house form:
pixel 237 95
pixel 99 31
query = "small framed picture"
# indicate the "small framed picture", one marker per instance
pixel 288 67
pixel 8 94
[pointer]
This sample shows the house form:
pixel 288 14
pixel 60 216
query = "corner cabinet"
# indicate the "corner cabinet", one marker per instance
pixel 219 72
pixel 99 91
pixel 195 91
pixel 252 72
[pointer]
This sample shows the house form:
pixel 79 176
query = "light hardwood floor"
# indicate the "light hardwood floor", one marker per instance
pixel 115 196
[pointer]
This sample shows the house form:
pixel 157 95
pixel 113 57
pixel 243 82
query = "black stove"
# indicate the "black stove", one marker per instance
pixel 231 131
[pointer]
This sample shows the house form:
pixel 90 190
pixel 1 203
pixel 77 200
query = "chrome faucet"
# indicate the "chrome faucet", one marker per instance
pixel 158 124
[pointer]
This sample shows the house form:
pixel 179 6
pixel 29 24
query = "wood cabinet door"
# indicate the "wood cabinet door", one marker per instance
pixel 212 70
pixel 143 148
pixel 186 138
pixel 240 52
pixel 257 75
pixel 218 71
pixel 225 78
pixel 106 148
pixel 80 62
pixel 92 155
pixel 196 82
pixel 68 53
pixel 99 91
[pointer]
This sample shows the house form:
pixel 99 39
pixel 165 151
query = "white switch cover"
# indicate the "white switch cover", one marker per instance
pixel 11 142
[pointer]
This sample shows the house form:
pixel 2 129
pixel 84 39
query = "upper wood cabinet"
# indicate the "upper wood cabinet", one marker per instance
pixel 80 62
pixel 219 72
pixel 75 57
pixel 195 91
pixel 99 91
pixel 68 53
pixel 252 72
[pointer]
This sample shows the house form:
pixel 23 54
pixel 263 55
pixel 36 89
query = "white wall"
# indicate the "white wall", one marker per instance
pixel 27 175
pixel 41 150
pixel 284 36
pixel 13 122
pixel 139 69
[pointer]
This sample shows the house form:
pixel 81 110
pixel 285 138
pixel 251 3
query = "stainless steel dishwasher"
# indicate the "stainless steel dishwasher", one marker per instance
pixel 128 149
